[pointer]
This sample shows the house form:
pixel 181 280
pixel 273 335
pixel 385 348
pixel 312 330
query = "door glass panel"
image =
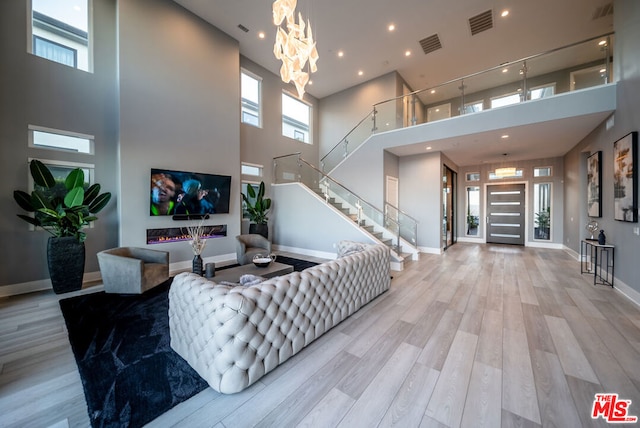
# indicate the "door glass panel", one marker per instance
pixel 473 211
pixel 542 211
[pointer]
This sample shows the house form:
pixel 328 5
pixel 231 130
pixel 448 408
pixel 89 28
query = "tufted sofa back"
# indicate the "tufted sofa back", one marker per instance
pixel 232 336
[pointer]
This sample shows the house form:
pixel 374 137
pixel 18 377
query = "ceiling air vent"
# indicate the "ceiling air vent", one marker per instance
pixel 481 22
pixel 430 44
pixel 602 11
pixel 243 28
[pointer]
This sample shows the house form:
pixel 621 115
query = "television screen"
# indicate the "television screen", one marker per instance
pixel 188 194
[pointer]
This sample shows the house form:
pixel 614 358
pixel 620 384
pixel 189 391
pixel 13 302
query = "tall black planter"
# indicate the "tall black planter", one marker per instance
pixel 65 257
pixel 260 229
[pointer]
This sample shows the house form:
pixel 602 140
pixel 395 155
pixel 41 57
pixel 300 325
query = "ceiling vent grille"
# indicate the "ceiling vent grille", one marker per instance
pixel 481 22
pixel 602 11
pixel 430 44
pixel 243 28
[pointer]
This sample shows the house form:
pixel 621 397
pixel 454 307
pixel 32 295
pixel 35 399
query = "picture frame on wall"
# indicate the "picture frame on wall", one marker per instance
pixel 594 184
pixel 625 178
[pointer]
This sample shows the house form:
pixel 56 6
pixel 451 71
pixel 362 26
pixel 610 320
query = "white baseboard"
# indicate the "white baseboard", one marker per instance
pixel 550 245
pixel 628 292
pixel 306 252
pixel 430 250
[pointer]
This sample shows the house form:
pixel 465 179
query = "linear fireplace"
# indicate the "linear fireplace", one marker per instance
pixel 178 234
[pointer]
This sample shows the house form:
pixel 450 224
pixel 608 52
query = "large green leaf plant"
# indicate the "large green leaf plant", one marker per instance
pixel 63 213
pixel 256 204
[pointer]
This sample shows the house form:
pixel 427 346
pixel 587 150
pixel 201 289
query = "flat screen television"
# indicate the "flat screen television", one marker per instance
pixel 185 194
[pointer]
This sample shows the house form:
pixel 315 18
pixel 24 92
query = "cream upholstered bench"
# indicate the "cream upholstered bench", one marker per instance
pixel 232 336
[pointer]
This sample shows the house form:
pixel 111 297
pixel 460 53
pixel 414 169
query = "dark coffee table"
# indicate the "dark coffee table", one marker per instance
pixel 234 274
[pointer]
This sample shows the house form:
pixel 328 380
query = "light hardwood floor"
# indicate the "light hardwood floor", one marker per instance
pixel 482 336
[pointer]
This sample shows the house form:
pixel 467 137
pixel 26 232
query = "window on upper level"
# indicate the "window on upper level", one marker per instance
pixel 543 171
pixel 473 107
pixel 251 169
pixel 60 30
pixel 251 88
pixel 542 92
pixel 505 100
pixel 296 119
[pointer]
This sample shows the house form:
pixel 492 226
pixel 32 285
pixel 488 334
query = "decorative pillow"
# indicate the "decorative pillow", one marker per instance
pixel 248 279
pixel 350 249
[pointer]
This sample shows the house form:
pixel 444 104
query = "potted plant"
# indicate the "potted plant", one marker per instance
pixel 256 209
pixel 63 210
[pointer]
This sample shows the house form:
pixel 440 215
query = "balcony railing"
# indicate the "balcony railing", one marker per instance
pixel 293 168
pixel 576 66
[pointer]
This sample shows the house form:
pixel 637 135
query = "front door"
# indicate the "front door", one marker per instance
pixel 505 214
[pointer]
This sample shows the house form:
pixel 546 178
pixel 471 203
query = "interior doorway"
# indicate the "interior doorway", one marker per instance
pixel 448 207
pixel 506 214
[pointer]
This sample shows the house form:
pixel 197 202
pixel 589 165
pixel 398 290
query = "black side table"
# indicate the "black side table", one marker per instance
pixel 598 260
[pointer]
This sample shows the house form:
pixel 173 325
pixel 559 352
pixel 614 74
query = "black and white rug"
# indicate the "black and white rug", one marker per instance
pixel 129 372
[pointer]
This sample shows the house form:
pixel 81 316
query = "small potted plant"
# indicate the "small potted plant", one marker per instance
pixel 63 210
pixel 256 209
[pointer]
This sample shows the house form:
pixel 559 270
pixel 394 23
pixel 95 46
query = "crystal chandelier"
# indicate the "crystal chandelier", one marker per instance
pixel 293 46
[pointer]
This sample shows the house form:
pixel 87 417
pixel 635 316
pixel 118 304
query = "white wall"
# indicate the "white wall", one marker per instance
pixel 180 110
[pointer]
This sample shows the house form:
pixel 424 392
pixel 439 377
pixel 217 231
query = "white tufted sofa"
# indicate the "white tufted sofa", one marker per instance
pixel 232 336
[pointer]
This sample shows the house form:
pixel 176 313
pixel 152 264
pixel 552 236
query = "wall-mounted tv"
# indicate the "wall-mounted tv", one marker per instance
pixel 185 195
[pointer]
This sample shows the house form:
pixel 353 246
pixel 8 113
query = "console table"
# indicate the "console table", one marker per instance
pixel 598 260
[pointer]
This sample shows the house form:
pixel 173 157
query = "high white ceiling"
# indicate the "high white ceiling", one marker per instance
pixel 359 29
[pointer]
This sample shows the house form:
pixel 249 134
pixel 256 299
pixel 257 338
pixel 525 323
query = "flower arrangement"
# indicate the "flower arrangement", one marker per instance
pixel 196 232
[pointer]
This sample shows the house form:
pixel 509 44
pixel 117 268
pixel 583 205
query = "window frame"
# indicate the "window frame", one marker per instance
pixel 89 38
pixel 248 105
pixel 37 128
pixel 537 168
pixel 259 167
pixel 294 123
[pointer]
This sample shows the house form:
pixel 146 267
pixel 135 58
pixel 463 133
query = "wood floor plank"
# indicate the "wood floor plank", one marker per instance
pixel 374 401
pixel 483 403
pixel 490 340
pixel 574 362
pixel 518 384
pixel 435 351
pixel 554 396
pixel 329 411
pixel 448 398
pixel 538 335
pixel 410 403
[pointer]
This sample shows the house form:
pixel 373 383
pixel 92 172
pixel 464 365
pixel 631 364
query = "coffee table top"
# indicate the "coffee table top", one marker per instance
pixel 234 274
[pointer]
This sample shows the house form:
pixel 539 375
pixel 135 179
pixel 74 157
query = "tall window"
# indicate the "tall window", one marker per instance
pixel 250 87
pixel 542 210
pixel 60 31
pixel 296 119
pixel 473 210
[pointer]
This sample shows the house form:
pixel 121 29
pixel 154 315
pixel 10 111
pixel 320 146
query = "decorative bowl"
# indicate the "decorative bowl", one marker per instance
pixel 263 261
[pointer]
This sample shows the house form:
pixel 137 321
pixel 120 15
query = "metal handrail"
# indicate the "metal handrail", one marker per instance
pixel 401 212
pixel 300 159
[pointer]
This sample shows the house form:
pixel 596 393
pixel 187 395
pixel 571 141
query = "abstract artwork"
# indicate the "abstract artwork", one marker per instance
pixel 594 183
pixel 625 178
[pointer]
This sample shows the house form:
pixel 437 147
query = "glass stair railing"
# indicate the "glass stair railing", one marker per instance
pixel 576 66
pixel 389 227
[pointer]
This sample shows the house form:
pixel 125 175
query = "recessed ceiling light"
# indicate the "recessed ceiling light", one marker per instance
pixel 310 82
pixel 602 43
pixel 360 73
pixel 340 54
pixel 407 53
pixel 505 136
pixel 433 91
pixel 504 70
pixel 261 35
pixel 391 27
pixel 602 70
pixel 504 13
pixel 429 147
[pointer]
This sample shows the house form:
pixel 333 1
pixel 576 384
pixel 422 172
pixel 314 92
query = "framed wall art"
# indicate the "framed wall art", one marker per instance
pixel 594 184
pixel 625 178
